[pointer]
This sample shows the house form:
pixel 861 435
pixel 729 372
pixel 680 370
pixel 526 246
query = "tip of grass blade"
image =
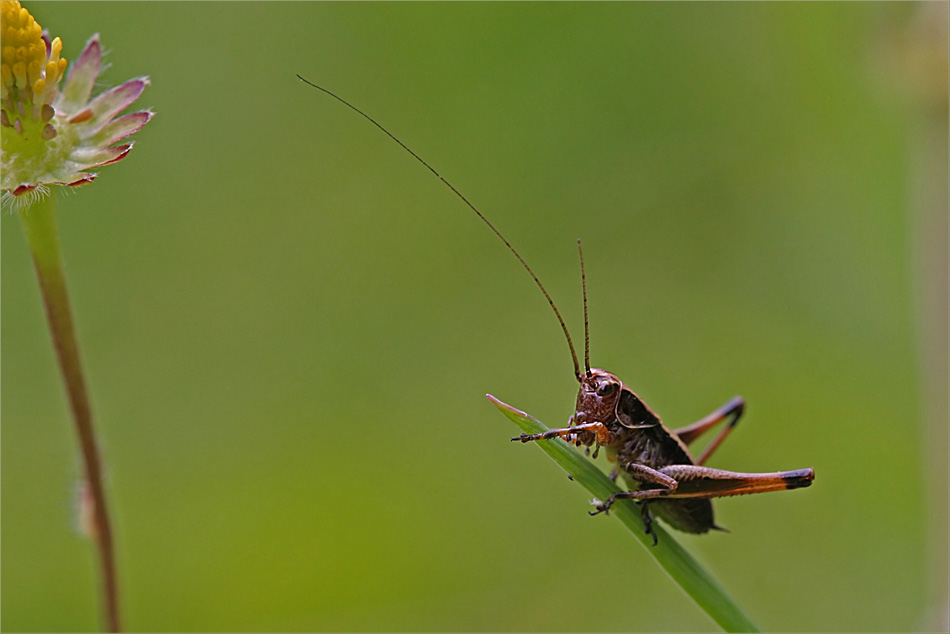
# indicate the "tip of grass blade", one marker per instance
pixel 508 409
pixel 672 557
pixel 525 421
pixel 505 407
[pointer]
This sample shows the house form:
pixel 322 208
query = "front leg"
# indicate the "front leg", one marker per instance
pixel 646 475
pixel 600 431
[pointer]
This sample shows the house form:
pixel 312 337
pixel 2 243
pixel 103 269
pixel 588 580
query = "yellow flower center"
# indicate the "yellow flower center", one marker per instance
pixel 30 76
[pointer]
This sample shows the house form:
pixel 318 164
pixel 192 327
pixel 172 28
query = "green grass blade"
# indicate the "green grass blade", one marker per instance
pixel 672 557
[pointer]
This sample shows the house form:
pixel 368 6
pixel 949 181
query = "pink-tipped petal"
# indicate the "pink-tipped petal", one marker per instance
pixel 123 151
pixel 22 189
pixel 112 102
pixel 120 128
pixel 85 158
pixel 86 178
pixel 81 78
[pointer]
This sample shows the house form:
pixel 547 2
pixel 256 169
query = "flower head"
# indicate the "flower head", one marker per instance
pixel 52 135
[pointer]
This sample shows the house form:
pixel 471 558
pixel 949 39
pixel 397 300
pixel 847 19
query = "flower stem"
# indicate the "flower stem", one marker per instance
pixel 39 224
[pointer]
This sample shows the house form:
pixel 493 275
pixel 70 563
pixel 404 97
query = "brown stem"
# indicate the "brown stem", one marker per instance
pixel 39 223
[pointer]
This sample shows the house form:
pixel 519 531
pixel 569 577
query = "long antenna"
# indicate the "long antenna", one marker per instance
pixel 580 252
pixel 567 335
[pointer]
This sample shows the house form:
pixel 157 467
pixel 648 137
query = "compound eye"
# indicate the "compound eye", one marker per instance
pixel 606 389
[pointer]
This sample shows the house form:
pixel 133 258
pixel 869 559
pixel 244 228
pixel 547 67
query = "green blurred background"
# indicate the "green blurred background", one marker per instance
pixel 289 326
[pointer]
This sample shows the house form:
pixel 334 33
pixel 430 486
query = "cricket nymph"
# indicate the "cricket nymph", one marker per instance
pixel 654 461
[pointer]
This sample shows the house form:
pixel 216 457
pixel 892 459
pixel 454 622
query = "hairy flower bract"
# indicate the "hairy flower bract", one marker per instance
pixel 52 134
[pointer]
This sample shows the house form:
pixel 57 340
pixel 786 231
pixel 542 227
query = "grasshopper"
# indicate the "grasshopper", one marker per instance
pixel 655 462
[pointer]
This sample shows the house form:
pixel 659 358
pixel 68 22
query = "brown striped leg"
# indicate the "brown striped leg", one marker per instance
pixel 694 481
